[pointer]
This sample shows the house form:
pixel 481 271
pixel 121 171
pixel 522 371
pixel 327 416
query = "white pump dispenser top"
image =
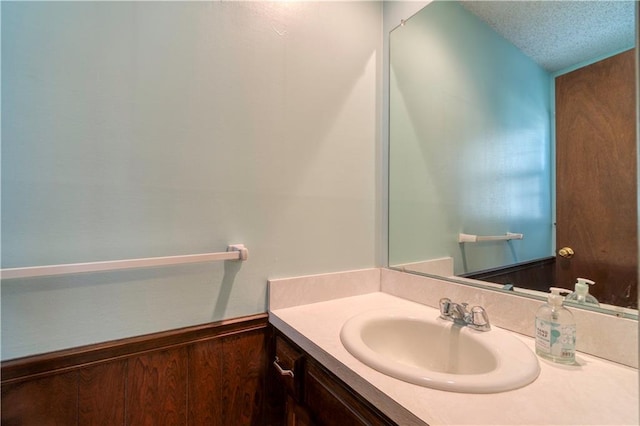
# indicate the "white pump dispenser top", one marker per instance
pixel 581 294
pixel 555 298
pixel 582 286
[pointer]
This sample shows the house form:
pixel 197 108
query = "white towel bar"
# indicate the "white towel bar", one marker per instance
pixel 234 252
pixel 468 238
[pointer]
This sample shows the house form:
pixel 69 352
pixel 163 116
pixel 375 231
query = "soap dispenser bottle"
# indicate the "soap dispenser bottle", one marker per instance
pixel 581 294
pixel 555 330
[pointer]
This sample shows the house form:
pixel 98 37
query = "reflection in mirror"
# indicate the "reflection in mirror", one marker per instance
pixel 475 127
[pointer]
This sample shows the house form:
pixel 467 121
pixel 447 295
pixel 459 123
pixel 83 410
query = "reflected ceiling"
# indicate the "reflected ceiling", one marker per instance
pixel 565 32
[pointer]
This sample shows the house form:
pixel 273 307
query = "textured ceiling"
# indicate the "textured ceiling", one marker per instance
pixel 559 34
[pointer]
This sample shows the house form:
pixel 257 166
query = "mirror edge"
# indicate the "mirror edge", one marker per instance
pixel 616 311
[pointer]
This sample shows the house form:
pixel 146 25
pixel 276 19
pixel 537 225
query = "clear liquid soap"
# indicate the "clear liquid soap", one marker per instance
pixel 555 332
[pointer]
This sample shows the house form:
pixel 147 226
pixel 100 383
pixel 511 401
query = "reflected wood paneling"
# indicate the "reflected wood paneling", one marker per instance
pixel 536 275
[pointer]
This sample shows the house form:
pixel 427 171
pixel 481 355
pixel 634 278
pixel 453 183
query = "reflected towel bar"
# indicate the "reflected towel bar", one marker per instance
pixel 234 252
pixel 468 238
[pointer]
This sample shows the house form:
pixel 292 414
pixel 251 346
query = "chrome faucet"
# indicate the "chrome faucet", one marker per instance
pixel 475 318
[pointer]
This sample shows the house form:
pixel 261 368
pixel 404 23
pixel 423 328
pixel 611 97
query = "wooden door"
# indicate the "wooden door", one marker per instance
pixel 596 182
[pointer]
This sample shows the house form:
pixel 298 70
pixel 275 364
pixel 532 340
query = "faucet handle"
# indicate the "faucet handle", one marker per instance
pixel 445 307
pixel 479 318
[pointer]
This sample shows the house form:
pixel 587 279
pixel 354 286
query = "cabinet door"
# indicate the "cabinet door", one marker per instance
pixel 330 402
pixel 296 414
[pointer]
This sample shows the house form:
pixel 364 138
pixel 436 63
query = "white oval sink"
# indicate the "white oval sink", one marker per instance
pixel 421 348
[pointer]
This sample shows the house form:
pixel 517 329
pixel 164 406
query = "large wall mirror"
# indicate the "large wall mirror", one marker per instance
pixel 513 148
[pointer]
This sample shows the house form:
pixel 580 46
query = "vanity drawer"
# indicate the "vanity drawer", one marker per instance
pixel 289 364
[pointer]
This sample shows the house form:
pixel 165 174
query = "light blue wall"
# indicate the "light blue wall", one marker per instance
pixel 394 12
pixel 138 129
pixel 469 143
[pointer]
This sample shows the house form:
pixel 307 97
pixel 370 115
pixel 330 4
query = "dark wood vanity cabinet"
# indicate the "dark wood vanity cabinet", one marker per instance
pixel 315 396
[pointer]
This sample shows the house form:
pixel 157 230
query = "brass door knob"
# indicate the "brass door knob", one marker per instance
pixel 566 252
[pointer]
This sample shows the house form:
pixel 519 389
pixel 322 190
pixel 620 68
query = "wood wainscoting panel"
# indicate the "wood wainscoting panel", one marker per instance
pixel 211 374
pixel 157 388
pixel 243 378
pixel 226 380
pixel 45 401
pixel 101 394
pixel 205 378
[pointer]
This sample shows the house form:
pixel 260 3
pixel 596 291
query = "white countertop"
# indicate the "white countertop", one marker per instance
pixel 595 392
